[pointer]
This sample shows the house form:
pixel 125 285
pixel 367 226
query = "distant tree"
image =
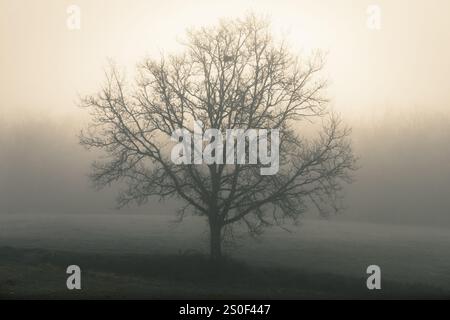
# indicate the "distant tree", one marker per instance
pixel 233 75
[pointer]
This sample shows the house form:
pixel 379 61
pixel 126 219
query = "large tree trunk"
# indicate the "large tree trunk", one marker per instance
pixel 215 240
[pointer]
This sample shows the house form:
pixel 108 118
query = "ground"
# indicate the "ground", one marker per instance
pixel 144 257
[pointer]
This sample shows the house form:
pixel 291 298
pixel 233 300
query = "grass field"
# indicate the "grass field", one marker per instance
pixel 132 256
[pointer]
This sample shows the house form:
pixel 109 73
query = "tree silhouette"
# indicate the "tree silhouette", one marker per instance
pixel 233 75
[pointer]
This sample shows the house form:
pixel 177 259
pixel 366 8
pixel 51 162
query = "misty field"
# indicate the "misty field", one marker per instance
pixel 151 256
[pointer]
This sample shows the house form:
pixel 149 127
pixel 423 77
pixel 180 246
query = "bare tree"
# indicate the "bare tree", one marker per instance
pixel 233 75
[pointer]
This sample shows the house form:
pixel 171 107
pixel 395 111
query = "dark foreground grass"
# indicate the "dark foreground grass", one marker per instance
pixel 40 274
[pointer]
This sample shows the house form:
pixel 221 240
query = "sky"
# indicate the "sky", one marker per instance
pixel 404 63
pixel 376 78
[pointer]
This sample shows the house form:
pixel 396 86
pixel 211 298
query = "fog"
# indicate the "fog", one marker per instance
pixel 390 86
pixel 403 175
